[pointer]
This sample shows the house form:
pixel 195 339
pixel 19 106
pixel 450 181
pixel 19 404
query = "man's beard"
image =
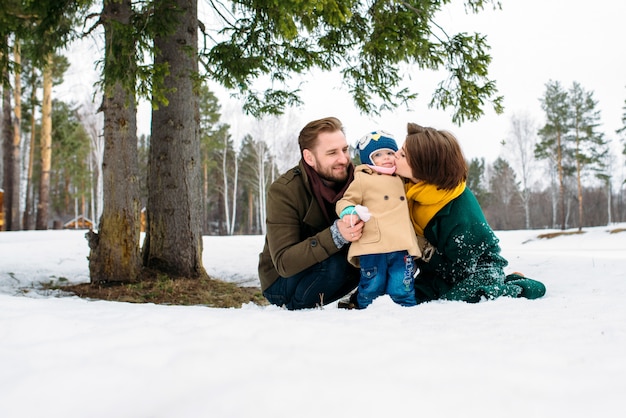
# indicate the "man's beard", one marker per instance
pixel 329 174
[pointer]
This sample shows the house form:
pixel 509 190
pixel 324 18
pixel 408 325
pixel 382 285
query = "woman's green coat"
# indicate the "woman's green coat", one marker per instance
pixel 464 262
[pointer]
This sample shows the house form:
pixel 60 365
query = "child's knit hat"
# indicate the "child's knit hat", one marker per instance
pixel 372 142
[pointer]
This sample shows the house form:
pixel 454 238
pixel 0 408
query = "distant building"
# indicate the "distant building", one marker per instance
pixel 80 222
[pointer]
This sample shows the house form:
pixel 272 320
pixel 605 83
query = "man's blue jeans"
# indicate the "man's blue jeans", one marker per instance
pixel 390 273
pixel 318 285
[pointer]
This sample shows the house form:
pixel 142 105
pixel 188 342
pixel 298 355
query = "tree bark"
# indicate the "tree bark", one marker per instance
pixel 173 243
pixel 29 218
pixel 7 157
pixel 46 147
pixel 15 220
pixel 115 255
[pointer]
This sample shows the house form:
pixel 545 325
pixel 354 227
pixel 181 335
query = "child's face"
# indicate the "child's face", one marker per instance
pixel 384 157
pixel 402 166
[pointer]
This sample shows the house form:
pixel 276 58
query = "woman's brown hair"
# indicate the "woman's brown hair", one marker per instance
pixel 308 135
pixel 435 156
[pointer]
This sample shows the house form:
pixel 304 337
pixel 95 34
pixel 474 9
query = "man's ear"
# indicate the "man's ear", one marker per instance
pixel 308 157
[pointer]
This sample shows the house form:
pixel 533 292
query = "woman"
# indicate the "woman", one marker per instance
pixel 461 256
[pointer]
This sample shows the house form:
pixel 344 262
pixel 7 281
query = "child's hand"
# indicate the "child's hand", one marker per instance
pixel 350 220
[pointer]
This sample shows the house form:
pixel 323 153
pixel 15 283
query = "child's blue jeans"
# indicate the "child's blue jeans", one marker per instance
pixel 390 273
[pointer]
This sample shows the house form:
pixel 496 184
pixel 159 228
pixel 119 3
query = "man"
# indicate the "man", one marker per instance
pixel 304 263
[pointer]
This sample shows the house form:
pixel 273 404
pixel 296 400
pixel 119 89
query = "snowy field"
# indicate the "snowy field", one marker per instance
pixel 560 356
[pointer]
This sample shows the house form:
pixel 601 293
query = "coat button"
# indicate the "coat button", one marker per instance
pixel 313 243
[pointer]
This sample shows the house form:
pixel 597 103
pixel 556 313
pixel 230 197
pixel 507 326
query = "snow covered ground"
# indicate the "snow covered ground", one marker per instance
pixel 560 356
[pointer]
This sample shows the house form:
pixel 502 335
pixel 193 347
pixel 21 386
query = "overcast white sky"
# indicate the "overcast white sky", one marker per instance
pixel 532 42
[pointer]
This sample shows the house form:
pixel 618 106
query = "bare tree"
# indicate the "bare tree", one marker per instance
pixel 93 123
pixel 228 214
pixel 521 143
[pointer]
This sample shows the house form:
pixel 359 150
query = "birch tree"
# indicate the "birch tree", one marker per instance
pixel 521 143
pixel 93 124
pixel 258 164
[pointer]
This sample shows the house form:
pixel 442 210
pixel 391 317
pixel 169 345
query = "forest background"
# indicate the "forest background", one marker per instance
pixel 558 168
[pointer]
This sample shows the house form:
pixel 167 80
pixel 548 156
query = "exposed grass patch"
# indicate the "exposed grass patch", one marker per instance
pixel 163 290
pixel 558 234
pixel 617 230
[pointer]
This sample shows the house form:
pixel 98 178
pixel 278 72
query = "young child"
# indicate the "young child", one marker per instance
pixel 386 249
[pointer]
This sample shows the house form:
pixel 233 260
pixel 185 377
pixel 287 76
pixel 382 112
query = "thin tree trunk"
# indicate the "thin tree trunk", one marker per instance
pixel 609 202
pixel 17 136
pixel 46 147
pixel 205 197
pixel 173 243
pixel 29 219
pixel 8 163
pixel 251 211
pixel 561 180
pixel 231 228
pixel 115 254
pixel 580 192
pixel 225 184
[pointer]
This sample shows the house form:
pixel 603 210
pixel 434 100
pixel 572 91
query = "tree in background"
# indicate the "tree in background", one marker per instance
pixel 257 164
pixel 590 148
pixel 69 180
pixel 7 146
pixel 93 124
pixel 47 25
pixel 504 197
pixel 521 143
pixel 12 149
pixel 31 104
pixel 210 133
pixel 476 180
pixel 553 145
pixel 622 133
pixel 45 147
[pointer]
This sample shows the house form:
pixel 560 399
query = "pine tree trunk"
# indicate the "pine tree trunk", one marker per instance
pixel 173 242
pixel 46 147
pixel 17 136
pixel 29 219
pixel 115 254
pixel 7 157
